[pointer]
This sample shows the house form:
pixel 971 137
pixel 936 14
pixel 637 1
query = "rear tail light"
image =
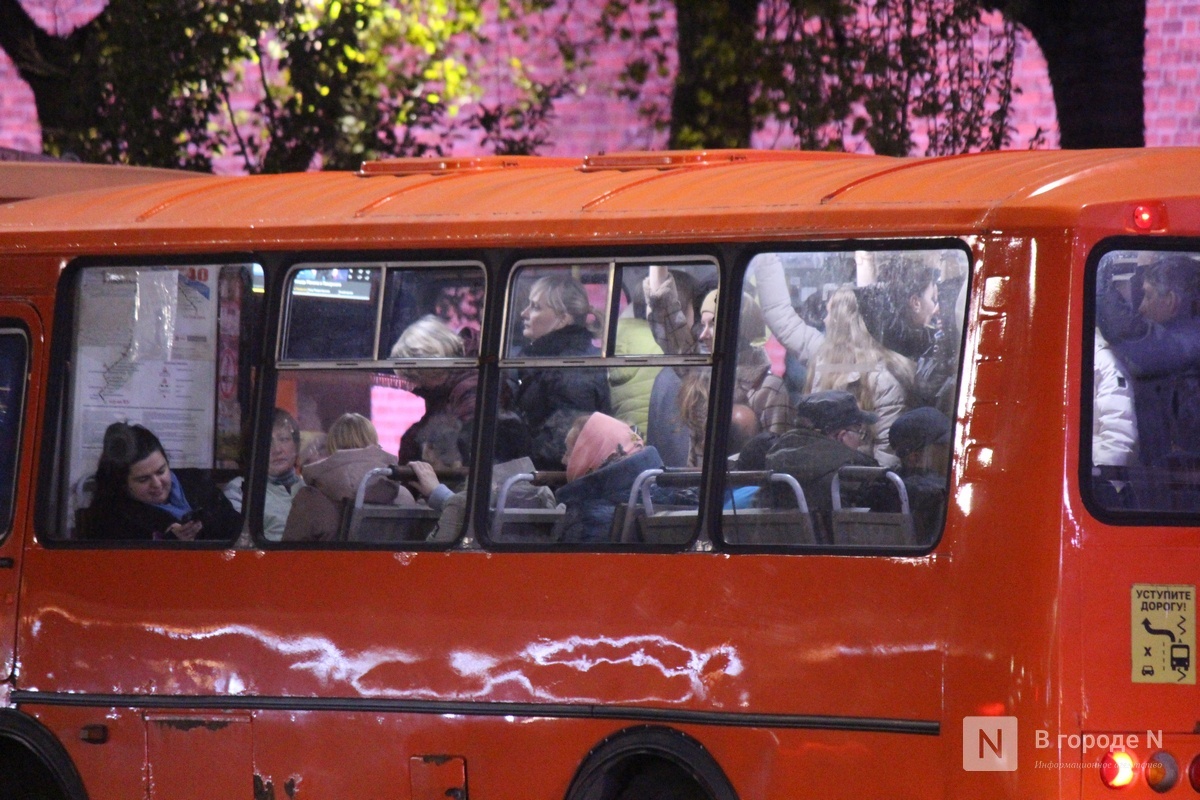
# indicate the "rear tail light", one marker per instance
pixel 1194 773
pixel 1162 771
pixel 1118 768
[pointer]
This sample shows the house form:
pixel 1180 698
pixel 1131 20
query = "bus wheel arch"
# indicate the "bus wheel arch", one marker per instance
pixel 33 763
pixel 650 763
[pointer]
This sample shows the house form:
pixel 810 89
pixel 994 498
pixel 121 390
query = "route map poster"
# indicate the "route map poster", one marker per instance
pixel 146 347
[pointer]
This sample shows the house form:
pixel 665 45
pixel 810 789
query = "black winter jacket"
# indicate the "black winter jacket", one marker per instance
pixel 544 391
pixel 126 519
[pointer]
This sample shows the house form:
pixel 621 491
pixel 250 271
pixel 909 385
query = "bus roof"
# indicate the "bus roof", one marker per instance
pixel 25 179
pixel 671 196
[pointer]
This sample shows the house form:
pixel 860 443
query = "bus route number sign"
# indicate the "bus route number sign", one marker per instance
pixel 1163 633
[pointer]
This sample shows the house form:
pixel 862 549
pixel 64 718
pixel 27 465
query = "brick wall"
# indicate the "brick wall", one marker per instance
pixel 1172 50
pixel 597 121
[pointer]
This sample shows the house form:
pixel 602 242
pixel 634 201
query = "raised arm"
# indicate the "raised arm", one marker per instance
pixel 800 338
pixel 664 312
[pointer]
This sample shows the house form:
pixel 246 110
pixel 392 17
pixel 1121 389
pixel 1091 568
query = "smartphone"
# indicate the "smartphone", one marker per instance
pixel 191 516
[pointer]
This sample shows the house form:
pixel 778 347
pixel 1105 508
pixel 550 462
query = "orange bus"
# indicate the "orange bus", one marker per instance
pixel 701 475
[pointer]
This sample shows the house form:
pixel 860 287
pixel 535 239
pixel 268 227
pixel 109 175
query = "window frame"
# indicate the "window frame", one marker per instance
pixel 387 263
pixel 1139 518
pixel 53 490
pixel 728 326
pixel 14 327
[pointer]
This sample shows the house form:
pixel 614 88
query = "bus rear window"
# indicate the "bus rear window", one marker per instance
pixel 1144 453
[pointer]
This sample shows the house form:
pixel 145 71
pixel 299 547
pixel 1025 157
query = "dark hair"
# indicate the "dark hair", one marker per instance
pixel 513 439
pixel 908 276
pixel 753 456
pixel 442 434
pixel 124 446
pixel 1178 274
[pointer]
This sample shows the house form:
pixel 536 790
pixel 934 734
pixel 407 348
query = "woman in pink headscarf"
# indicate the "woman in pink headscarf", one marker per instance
pixel 604 457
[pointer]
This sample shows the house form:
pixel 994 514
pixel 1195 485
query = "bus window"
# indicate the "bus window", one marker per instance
pixel 382 437
pixel 848 367
pixel 582 451
pixel 157 398
pixel 332 313
pixel 1145 404
pixel 14 366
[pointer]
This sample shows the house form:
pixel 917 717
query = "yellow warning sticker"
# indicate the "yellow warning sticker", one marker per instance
pixel 1163 633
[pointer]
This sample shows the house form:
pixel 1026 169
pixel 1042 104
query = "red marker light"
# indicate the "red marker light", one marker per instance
pixel 1117 769
pixel 1149 217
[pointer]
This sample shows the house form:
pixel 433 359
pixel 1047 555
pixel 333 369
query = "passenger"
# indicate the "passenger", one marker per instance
pixel 630 387
pixel 831 430
pixel 743 426
pixel 444 391
pixel 666 430
pixel 604 457
pixel 329 483
pixel 510 457
pixel 901 308
pixel 1159 347
pixel 756 386
pixel 555 326
pixel 139 497
pixel 921 439
pixel 902 313
pixel 282 479
pixel 441 451
pixel 1114 426
pixel 844 357
pixel 751 458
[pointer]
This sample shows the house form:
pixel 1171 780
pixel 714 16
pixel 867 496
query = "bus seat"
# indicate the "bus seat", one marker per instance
pixel 78 521
pixel 379 522
pixel 669 525
pixel 767 526
pixel 517 524
pixel 788 526
pixel 651 523
pixel 858 526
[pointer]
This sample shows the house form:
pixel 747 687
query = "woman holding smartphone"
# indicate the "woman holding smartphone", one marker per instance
pixel 139 497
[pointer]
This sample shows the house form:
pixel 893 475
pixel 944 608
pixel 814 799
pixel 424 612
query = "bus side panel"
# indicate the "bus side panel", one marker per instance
pixel 348 754
pixel 562 632
pixel 1005 540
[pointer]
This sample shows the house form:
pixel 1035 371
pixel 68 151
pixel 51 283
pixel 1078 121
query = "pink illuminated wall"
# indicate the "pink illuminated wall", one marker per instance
pixel 597 120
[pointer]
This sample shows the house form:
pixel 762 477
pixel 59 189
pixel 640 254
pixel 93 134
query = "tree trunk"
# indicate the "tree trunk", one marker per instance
pixel 717 45
pixel 1095 51
pixel 51 65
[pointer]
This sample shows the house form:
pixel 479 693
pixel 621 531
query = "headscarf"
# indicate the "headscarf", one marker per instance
pixel 601 438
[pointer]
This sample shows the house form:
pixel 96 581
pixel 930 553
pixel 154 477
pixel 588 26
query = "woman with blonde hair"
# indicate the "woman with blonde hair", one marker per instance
pixel 850 359
pixel 445 391
pixel 843 357
pixel 353 452
pixel 555 324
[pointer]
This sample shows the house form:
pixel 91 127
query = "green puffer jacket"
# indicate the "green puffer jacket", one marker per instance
pixel 629 387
